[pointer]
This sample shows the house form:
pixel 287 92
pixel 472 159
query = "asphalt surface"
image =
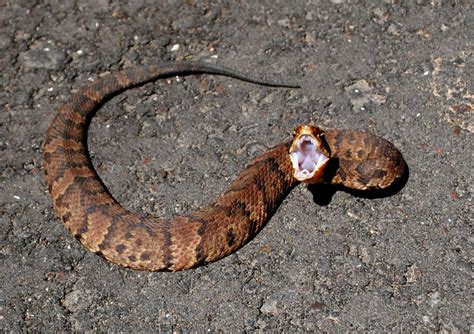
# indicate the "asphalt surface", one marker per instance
pixel 402 70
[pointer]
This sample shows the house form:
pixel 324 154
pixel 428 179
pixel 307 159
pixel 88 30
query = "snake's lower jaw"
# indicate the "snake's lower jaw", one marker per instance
pixel 311 175
pixel 308 154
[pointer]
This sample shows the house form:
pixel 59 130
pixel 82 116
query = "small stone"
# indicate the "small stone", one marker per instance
pixel 317 306
pixel 120 13
pixel 412 274
pixel 434 299
pixel 379 99
pixel 174 48
pixel 392 29
pixel 71 301
pixel 270 307
pixel 360 94
pixel 310 38
pixel 43 55
pixel 364 255
pixel 285 23
pixel 5 41
pixel 266 249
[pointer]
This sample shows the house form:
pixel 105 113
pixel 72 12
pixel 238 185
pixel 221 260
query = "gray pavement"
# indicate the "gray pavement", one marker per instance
pixel 400 69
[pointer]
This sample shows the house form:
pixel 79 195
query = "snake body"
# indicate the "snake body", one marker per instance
pixel 90 213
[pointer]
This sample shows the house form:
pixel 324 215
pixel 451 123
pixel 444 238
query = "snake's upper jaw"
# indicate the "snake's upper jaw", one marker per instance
pixel 309 154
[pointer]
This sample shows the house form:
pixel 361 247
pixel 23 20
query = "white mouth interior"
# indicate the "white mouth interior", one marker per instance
pixel 307 158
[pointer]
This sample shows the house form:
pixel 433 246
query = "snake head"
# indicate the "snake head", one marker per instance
pixel 309 153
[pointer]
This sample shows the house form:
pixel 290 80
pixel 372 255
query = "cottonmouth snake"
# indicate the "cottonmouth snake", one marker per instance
pixel 363 161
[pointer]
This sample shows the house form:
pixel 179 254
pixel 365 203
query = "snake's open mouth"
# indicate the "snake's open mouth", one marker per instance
pixel 308 154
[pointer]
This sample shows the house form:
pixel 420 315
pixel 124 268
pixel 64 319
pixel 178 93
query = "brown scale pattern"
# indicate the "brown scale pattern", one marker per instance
pixel 147 243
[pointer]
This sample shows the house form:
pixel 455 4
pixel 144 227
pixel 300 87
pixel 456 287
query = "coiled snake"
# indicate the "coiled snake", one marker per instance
pixel 363 161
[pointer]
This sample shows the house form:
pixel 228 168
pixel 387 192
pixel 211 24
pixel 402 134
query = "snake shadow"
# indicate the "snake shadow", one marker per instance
pixel 323 192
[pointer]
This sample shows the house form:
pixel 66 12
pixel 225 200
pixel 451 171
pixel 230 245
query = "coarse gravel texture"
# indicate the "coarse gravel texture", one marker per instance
pixel 400 69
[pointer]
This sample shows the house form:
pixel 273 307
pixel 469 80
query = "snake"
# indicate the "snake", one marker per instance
pixel 349 158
